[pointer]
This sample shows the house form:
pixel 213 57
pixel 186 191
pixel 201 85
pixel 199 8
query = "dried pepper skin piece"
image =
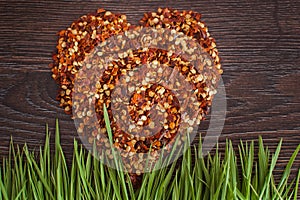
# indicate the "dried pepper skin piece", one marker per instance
pixel 76 42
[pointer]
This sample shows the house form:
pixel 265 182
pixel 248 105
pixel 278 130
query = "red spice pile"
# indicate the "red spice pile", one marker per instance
pixel 77 42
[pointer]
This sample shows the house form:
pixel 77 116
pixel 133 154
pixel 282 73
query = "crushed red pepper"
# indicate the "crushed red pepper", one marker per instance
pixel 78 41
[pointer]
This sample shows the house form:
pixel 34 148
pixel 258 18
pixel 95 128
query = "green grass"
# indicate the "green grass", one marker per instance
pixel 30 175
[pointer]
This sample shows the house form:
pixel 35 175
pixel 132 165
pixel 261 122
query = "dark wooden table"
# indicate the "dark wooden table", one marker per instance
pixel 259 43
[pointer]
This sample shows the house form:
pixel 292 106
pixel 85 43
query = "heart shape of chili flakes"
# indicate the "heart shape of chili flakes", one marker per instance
pixel 76 51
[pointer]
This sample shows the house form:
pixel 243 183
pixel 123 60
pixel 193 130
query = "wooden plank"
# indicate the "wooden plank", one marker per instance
pixel 259 43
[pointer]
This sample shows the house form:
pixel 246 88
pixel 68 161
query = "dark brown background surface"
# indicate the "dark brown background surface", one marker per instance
pixel 259 43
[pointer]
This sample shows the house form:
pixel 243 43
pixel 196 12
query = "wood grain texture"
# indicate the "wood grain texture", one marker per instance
pixel 259 43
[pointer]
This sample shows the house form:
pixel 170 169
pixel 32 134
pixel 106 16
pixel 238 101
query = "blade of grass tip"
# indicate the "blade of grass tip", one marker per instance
pixel 247 156
pixel 211 181
pixel 195 156
pixel 43 156
pixel 88 164
pixel 190 186
pixel 184 173
pixel 118 162
pixel 62 168
pixel 271 168
pixel 57 141
pixel 8 171
pixel 203 167
pixel 195 171
pixel 287 170
pixel 63 164
pixel 16 175
pixel 57 163
pixel 110 136
pixel 159 163
pixel 22 169
pixel 148 166
pixel 250 163
pixel 46 159
pixel 150 184
pixel 234 170
pixel 241 157
pixel 262 163
pixel 297 186
pixel 187 152
pixel 161 169
pixel 246 151
pixel 65 175
pixel 220 171
pixel 227 159
pixel 72 188
pixel 201 185
pixel 171 154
